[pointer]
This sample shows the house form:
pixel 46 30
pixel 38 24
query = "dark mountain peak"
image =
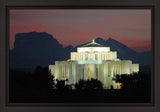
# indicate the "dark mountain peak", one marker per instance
pixel 35 49
pixel 33 35
pixel 100 41
pixel 69 47
pixel 108 42
pixel 112 40
pixel 39 37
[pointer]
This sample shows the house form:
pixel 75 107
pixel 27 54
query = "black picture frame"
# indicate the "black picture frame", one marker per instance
pixel 4 106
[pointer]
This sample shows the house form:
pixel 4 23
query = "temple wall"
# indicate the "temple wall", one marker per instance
pixel 52 69
pixel 74 70
pixel 79 72
pixel 89 71
pixel 93 49
pixel 104 72
pixel 93 56
pixel 57 70
pixel 126 67
pixel 117 67
pixel 101 73
pixel 135 68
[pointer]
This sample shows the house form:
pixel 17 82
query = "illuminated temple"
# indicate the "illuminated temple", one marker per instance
pixel 95 61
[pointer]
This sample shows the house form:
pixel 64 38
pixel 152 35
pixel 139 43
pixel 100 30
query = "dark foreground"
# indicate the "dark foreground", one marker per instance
pixel 39 87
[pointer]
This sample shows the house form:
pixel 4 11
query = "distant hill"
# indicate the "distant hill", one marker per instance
pixel 35 49
pixel 42 49
pixel 124 52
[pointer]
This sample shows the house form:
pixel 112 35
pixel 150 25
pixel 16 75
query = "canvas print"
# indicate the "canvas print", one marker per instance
pixel 80 56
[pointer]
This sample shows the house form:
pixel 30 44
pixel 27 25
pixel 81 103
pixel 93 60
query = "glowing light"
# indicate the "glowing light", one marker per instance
pixel 118 85
pixel 88 73
pixel 94 49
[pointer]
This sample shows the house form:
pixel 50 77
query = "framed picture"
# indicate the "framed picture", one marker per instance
pixel 70 54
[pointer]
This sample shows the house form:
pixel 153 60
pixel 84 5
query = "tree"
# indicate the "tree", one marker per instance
pixel 25 85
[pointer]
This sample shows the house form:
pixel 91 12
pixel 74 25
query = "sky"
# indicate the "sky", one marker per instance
pixel 131 27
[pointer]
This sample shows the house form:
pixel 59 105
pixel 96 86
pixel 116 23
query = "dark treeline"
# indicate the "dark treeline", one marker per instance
pixel 39 86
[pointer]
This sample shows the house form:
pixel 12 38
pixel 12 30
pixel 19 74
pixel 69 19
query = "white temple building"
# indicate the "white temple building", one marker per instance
pixel 93 60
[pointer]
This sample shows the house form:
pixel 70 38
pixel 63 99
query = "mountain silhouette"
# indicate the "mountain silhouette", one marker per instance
pixel 35 49
pixel 42 49
pixel 126 53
